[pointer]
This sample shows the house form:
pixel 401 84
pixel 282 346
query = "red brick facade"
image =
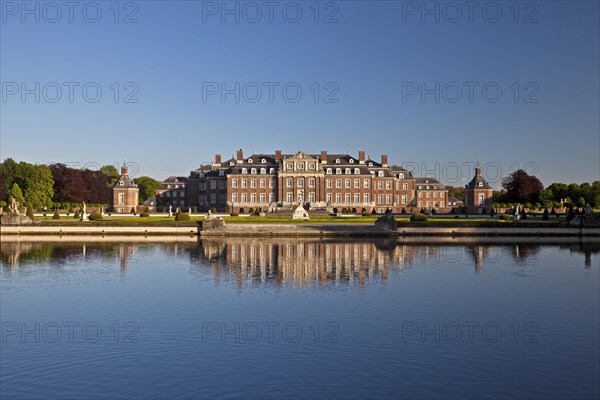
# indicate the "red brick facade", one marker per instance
pixel 125 193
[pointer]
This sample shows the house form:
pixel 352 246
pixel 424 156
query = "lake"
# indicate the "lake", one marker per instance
pixel 246 318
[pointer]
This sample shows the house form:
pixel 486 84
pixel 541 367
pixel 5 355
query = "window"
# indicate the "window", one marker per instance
pixel 380 185
pixel 213 198
pixel 405 186
pixel 202 185
pixel 338 171
pixel 244 170
pixel 221 199
pixel 338 183
pixel 480 184
pixel 311 197
pixel 403 199
pixel 234 183
pixel 348 171
pixel 427 204
pixel 441 195
pixel 252 197
pixel 388 185
pixel 263 183
pixel 244 183
pixel 357 171
pixel 300 182
pixel 328 198
pixel 263 198
pixel 357 183
pixel 221 185
pixel 263 171
pixel 366 198
pixel 357 198
pixel 234 197
pixel 213 184
pixel 366 183
pixel 441 204
pixel 435 195
pixel 250 161
pixel 388 199
pixel 290 166
pixel 311 183
pixel 352 161
pixel 481 198
pixel 202 199
pixel 252 183
pixel 370 164
pixel 290 197
pixel 427 194
pixel 401 176
pixel 272 183
pixel 301 166
pixel 253 171
pixel 244 197
pixel 435 203
pixel 348 197
pixel 338 197
pixel 420 204
pixel 329 171
pixel 337 160
pixel 221 172
pixel 348 184
pixel 380 174
pixel 380 199
pixel 263 161
pixel 271 197
pixel 420 187
pixel 290 182
pixel 328 184
pixel 311 166
pixel 420 195
pixel 121 198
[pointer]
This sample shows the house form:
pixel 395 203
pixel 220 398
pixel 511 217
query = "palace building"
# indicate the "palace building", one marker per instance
pixel 319 181
pixel 125 193
pixel 478 194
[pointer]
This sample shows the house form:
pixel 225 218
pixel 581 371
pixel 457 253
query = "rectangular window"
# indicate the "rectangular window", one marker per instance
pixel 263 183
pixel 380 199
pixel 357 198
pixel 234 183
pixel 427 204
pixel 244 197
pixel 366 183
pixel 234 197
pixel 420 204
pixel 121 198
pixel 290 197
pixel 253 183
pixel 272 183
pixel 202 185
pixel 328 197
pixel 405 186
pixel 213 184
pixel 441 204
pixel 420 195
pixel 441 195
pixel 202 199
pixel 289 182
pixel 338 197
pixel 244 183
pixel 271 197
pixel 221 199
pixel 427 194
pixel 380 185
pixel 300 182
pixel 435 195
pixel 481 199
pixel 311 166
pixel 366 198
pixel 357 183
pixel 221 184
pixel 348 197
pixel 329 184
pixel 388 185
pixel 311 182
pixel 348 184
pixel 252 197
pixel 388 199
pixel 263 198
pixel 404 199
pixel 338 183
pixel 311 197
pixel 213 198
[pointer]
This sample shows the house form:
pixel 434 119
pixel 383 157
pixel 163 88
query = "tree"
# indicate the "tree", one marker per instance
pixel 8 172
pixel 36 182
pixel 16 193
pixel 546 215
pixel 457 192
pixel 522 187
pixel 580 202
pixel 147 187
pixel 570 214
pixel 30 211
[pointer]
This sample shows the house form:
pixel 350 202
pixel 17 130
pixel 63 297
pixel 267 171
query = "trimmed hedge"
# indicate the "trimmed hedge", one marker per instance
pixel 95 216
pixel 505 217
pixel 182 217
pixel 56 215
pixel 144 215
pixel 418 217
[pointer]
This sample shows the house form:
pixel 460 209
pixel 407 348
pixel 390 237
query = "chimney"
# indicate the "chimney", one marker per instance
pixel 277 155
pixel 361 157
pixel 217 159
pixel 323 157
pixel 384 160
pixel 240 156
pixel 124 169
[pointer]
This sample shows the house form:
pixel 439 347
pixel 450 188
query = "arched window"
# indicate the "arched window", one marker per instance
pixel 380 174
pixel 253 171
pixel 263 170
pixel 271 170
pixel 231 163
pixel 338 170
pixel 401 176
pixel 348 171
pixel 244 170
pixel 357 171
pixel 329 171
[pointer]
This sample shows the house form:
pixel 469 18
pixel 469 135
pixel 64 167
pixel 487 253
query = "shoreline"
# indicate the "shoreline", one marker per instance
pixel 294 230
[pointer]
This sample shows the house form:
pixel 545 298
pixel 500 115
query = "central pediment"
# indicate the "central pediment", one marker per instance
pixel 303 156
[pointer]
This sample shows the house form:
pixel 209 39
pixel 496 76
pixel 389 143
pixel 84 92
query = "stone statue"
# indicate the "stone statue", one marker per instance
pixel 517 212
pixel 83 207
pixel 14 206
pixel 170 210
pixel 84 216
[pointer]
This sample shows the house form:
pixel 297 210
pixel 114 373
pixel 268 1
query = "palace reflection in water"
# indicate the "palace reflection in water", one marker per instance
pixel 287 261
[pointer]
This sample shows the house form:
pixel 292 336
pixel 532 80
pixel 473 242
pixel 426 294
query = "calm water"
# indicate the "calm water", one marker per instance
pixel 275 319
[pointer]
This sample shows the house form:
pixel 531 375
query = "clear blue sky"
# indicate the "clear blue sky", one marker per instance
pixel 374 54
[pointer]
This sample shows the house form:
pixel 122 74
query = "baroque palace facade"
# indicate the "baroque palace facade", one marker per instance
pixel 319 181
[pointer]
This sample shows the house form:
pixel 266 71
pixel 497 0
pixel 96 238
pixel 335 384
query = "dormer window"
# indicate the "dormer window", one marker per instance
pixel 347 171
pixel 244 170
pixel 176 186
pixel 329 171
pixel 122 183
pixel 420 187
pixel 271 170
pixel 263 161
pixel 400 176
pixel 249 161
pixel 338 170
pixel 253 171
pixel 221 172
pixel 380 174
pixel 337 160
pixel 481 184
pixel 426 180
pixel 435 187
pixel 352 161
pixel 370 164
pixel 200 175
pixel 231 163
pixel 263 170
pixel 357 171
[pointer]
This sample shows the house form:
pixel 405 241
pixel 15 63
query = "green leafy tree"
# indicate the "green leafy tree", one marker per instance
pixel 147 187
pixel 580 202
pixel 16 193
pixel 30 211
